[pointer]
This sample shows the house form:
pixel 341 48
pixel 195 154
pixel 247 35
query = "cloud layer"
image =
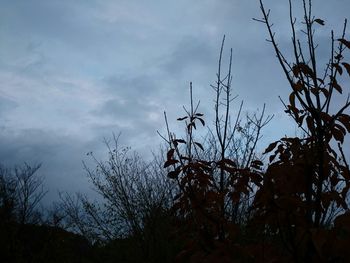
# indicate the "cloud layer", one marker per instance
pixel 74 72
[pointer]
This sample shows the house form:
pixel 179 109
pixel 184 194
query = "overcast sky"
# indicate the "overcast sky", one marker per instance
pixel 74 72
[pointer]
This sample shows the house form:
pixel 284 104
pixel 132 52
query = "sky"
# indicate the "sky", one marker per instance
pixel 74 72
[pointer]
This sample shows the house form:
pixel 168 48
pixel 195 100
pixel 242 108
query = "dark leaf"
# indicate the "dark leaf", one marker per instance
pixel 227 161
pixel 338 68
pixel 305 69
pixel 347 67
pixel 170 162
pixel 270 147
pixel 199 114
pixel 257 162
pixel 199 145
pixel 189 126
pixel 256 178
pixel 183 118
pixel 300 120
pixel 344 42
pixel 319 21
pixel 202 121
pixel 272 157
pixel 338 57
pixel 179 141
pixel 192 124
pixel 310 123
pixel 173 174
pixel 325 92
pixel 336 86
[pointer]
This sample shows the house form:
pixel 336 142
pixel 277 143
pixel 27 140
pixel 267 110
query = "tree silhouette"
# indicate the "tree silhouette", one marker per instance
pixel 307 180
pixel 216 177
pixel 299 200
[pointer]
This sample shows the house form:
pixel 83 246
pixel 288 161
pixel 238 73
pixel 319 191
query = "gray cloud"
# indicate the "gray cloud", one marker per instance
pixel 189 54
pixel 72 73
pixel 6 105
pixel 61 157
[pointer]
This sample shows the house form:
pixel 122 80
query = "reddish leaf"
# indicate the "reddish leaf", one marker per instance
pixel 345 120
pixel 306 69
pixel 298 86
pixel 341 128
pixel 338 135
pixel 315 90
pixel 292 99
pixel 325 117
pixel 296 70
pixel 170 154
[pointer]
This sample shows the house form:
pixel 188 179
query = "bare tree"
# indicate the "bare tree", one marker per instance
pixel 29 192
pixel 213 175
pixel 21 192
pixel 7 195
pixel 135 202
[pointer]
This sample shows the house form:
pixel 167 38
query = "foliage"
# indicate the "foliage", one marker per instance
pixel 300 198
pixel 216 186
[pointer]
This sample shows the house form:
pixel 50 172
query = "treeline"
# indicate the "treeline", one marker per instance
pixel 211 199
